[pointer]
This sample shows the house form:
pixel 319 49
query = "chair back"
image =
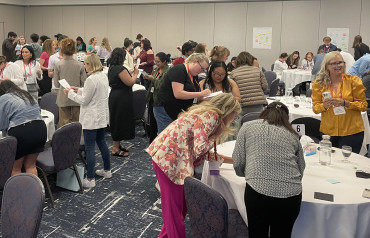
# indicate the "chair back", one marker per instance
pixel 65 145
pixel 48 102
pixel 139 101
pixel 263 69
pixel 22 206
pixel 309 92
pixel 208 211
pixel 250 116
pixel 8 148
pixel 270 76
pixel 272 67
pixel 312 127
pixel 274 87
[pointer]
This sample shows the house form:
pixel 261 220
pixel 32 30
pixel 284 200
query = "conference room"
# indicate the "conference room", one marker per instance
pixel 128 204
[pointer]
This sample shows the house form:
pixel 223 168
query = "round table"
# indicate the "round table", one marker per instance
pixel 293 77
pixel 348 216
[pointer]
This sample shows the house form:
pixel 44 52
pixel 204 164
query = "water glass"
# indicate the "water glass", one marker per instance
pixel 346 152
pixel 308 102
pixel 296 102
pixel 289 96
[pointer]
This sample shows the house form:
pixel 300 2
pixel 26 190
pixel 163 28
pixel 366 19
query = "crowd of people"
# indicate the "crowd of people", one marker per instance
pixel 184 122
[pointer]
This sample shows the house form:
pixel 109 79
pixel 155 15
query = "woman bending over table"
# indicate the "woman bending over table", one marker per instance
pixel 21 118
pixel 93 98
pixel 341 113
pixel 183 145
pixel 269 155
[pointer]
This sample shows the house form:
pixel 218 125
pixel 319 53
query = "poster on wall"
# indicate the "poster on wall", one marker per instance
pixel 339 37
pixel 262 37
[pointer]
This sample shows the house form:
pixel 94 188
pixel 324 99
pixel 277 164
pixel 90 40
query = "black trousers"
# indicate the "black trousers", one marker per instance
pixel 152 130
pixel 355 141
pixel 268 213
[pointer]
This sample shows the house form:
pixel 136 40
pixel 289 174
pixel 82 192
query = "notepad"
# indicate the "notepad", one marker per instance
pixel 214 94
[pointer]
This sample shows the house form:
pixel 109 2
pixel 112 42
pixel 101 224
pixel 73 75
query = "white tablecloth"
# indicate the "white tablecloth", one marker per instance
pixel 303 111
pixel 292 77
pixel 347 217
pixel 48 118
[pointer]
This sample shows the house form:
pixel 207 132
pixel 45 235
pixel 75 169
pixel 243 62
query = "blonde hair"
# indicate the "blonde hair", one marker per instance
pixel 218 52
pixel 323 76
pixel 94 63
pixel 224 105
pixel 92 40
pixel 48 47
pixel 200 57
pixel 105 44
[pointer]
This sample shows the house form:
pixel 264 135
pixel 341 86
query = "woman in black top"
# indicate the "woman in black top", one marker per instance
pixel 293 60
pixel 360 48
pixel 179 90
pixel 121 111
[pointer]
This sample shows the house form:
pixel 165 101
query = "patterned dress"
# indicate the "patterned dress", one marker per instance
pixel 184 144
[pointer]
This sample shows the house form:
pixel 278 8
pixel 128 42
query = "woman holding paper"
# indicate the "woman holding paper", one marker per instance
pixel 121 111
pixel 341 113
pixel 179 90
pixel 184 145
pixel 93 98
pixel 74 73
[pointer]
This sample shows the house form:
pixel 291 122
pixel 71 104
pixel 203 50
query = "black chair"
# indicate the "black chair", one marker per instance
pixel 270 77
pixel 263 69
pixel 209 214
pixel 62 154
pixel 272 67
pixel 22 206
pixel 8 148
pixel 312 127
pixel 139 101
pixel 309 92
pixel 250 116
pixel 274 88
pixel 48 102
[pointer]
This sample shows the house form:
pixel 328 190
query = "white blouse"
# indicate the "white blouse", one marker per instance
pixel 279 67
pixel 29 71
pixel 14 73
pixel 93 98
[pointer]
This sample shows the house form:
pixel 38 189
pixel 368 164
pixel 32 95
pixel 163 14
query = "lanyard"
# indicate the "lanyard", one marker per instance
pixel 341 88
pixel 25 71
pixel 128 52
pixel 327 48
pixel 59 56
pixel 157 74
pixel 191 77
pixel 215 151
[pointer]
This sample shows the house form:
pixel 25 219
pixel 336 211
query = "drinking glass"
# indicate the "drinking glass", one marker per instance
pixel 296 102
pixel 289 96
pixel 346 152
pixel 308 102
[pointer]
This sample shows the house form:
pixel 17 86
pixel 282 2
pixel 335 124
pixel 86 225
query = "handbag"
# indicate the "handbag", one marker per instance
pixel 67 178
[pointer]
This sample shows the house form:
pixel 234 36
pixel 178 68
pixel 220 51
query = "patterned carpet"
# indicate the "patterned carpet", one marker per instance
pixel 126 205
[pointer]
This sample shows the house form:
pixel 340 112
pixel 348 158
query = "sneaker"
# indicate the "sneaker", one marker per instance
pixel 88 183
pixel 103 173
pixel 157 186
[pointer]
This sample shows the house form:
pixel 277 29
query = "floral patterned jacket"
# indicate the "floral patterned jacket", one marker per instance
pixel 184 144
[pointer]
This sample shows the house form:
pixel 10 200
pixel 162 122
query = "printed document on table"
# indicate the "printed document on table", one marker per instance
pixel 64 83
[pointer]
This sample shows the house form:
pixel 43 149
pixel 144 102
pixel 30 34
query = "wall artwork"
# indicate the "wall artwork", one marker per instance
pixel 339 37
pixel 262 37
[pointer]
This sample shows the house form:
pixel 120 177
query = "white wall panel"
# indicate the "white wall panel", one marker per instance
pixel 13 18
pixel 265 14
pixel 231 26
pixel 51 21
pixel 300 24
pixel 95 23
pixel 119 25
pixel 73 22
pixel 33 23
pixel 365 22
pixel 144 21
pixel 199 23
pixel 170 28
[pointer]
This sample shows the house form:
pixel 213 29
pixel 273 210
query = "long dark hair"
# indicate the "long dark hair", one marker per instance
pixel 277 114
pixel 30 49
pixel 117 57
pixel 225 82
pixel 7 86
pixel 146 44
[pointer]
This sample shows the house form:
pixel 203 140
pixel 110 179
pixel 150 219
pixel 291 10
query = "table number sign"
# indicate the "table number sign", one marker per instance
pixel 299 128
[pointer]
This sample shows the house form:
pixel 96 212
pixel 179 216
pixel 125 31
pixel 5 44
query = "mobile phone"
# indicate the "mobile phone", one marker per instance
pixel 324 196
pixel 326 95
pixel 366 193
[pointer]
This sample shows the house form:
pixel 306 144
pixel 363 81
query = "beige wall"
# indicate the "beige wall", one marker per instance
pixel 296 25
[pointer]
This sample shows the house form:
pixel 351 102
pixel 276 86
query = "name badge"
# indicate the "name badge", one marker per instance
pixel 152 89
pixel 339 110
pixel 195 101
pixel 214 168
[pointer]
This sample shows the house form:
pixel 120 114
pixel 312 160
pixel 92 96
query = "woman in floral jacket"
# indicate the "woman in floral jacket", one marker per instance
pixel 183 145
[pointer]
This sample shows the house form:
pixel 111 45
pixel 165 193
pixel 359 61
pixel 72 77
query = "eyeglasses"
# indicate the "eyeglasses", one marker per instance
pixel 337 63
pixel 203 69
pixel 219 75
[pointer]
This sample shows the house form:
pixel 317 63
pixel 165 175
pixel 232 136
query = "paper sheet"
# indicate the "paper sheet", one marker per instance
pixel 64 83
pixel 214 94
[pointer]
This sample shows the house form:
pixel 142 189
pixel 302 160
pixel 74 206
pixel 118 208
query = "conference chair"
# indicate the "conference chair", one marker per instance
pixel 139 101
pixel 8 148
pixel 270 77
pixel 272 67
pixel 48 102
pixel 309 92
pixel 61 155
pixel 312 127
pixel 209 214
pixel 22 206
pixel 250 116
pixel 274 88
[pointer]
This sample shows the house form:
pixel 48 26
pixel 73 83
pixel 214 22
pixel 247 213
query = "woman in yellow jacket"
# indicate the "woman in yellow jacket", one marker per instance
pixel 341 104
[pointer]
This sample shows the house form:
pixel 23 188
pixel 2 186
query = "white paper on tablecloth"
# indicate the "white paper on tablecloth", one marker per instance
pixel 262 37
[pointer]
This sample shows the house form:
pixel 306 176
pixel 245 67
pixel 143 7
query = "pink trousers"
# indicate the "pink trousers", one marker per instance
pixel 173 206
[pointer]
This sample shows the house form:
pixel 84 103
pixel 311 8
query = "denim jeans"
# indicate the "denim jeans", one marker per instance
pixel 98 136
pixel 162 118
